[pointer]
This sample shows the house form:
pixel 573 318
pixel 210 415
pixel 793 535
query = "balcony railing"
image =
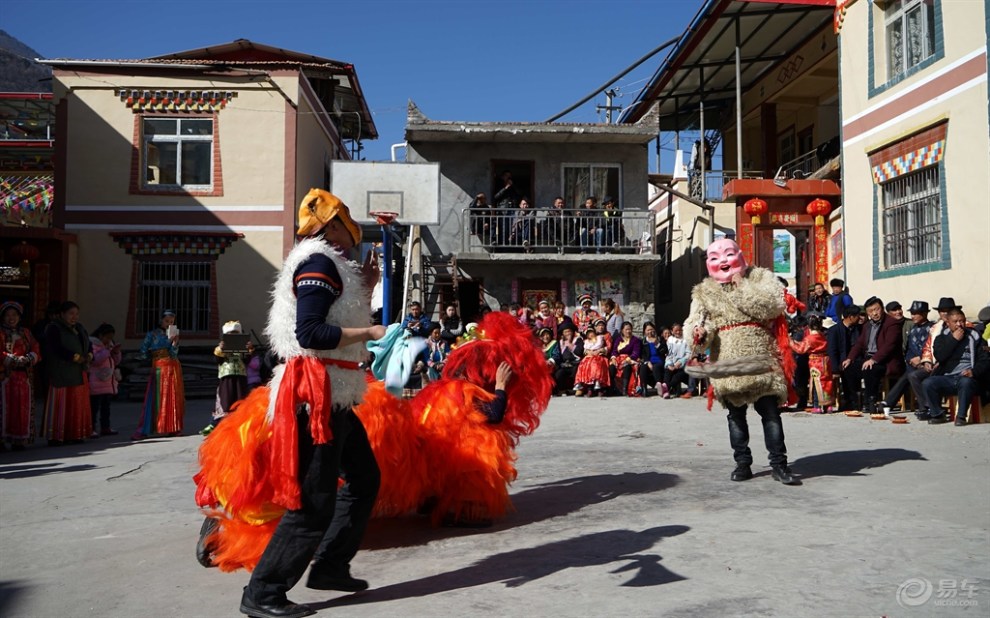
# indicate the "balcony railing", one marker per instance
pixel 557 231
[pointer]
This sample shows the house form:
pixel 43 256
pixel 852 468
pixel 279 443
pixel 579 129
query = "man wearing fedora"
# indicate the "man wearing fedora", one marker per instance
pixel 876 353
pixel 962 359
pixel 914 373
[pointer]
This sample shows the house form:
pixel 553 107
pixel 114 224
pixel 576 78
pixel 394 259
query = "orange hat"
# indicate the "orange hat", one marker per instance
pixel 318 208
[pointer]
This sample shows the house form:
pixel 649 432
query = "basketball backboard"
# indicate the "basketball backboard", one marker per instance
pixel 410 189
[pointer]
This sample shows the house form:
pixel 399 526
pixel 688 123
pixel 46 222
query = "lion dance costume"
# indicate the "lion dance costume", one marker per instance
pixel 438 448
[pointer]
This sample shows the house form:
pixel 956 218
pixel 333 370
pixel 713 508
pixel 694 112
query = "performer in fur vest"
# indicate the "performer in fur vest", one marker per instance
pixel 300 439
pixel 738 314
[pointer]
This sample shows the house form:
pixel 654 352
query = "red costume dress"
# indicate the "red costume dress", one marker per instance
pixel 820 385
pixel 19 352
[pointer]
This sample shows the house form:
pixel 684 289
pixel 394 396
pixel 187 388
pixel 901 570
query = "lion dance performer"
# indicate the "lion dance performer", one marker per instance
pixel 449 451
pixel 738 313
pixel 273 464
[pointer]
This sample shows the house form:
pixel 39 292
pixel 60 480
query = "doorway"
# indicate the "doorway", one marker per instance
pixel 787 252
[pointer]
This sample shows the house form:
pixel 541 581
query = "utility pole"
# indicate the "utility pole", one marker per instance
pixel 608 107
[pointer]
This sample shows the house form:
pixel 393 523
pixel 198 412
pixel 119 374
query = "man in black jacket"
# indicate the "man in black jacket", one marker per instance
pixel 962 359
pixel 840 340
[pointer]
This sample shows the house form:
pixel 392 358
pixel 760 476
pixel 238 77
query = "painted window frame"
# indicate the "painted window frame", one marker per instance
pixel 878 52
pixel 140 159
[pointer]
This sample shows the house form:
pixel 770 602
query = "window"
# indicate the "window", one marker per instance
pixel 581 181
pixel 910 34
pixel 178 152
pixel 184 287
pixel 912 218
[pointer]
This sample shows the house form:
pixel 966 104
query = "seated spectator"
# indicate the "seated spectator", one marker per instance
pixel 876 353
pixel 592 373
pixel 962 359
pixel 544 318
pixel 678 355
pixel 613 317
pixel 551 348
pixel 840 299
pixel 601 329
pixel 571 353
pixel 612 228
pixel 552 226
pixel 434 356
pixel 451 325
pixel 589 226
pixel 984 318
pixel 522 230
pixel 654 351
pixel 841 338
pixel 819 299
pixel 624 362
pixel 480 212
pixel 415 321
pixel 915 371
pixel 584 317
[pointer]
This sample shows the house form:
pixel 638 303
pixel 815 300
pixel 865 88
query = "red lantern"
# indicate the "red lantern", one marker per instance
pixel 25 254
pixel 754 208
pixel 819 208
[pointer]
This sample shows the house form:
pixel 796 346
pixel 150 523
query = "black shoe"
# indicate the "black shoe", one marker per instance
pixel 204 549
pixel 960 422
pixel 274 610
pixel 334 578
pixel 783 474
pixel 924 416
pixel 742 473
pixel 938 420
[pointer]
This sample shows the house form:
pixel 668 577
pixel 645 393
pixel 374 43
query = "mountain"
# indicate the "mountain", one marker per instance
pixel 18 70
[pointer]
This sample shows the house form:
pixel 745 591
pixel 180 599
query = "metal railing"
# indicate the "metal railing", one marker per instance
pixel 557 231
pixel 805 165
pixel 715 181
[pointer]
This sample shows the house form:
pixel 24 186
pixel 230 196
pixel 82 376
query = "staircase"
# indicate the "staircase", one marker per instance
pixel 440 277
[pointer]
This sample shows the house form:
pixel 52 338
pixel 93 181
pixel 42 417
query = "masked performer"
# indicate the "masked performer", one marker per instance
pixel 738 313
pixel 273 465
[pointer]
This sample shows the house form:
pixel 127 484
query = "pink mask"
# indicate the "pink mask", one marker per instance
pixel 724 260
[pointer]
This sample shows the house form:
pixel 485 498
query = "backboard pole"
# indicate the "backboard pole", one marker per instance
pixel 387 274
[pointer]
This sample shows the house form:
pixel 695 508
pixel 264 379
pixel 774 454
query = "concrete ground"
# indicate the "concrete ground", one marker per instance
pixel 623 508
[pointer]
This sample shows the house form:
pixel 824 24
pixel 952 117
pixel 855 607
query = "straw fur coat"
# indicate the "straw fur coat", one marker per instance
pixel 724 311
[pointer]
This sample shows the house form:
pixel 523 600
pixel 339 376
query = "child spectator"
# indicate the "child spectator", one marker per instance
pixel 232 371
pixel 815 345
pixel 592 372
pixel 103 378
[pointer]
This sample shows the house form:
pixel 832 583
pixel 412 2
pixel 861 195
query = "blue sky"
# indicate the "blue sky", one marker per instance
pixel 510 60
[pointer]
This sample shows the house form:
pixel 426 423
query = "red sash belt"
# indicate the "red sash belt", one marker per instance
pixel 739 324
pixel 305 380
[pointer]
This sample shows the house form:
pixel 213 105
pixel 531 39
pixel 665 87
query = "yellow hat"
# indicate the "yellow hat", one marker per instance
pixel 318 208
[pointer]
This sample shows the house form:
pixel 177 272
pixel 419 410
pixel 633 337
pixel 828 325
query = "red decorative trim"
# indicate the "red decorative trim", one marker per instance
pixel 155 243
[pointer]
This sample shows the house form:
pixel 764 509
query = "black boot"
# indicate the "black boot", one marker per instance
pixel 742 473
pixel 783 474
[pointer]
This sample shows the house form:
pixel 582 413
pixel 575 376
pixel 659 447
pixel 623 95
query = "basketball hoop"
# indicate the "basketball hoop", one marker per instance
pixel 384 217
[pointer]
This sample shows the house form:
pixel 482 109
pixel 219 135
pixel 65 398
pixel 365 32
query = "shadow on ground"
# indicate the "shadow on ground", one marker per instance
pixel 851 463
pixel 538 503
pixel 522 566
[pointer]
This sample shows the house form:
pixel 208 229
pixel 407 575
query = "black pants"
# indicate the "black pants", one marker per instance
pixel 650 376
pixel 913 377
pixel 872 378
pixel 674 378
pixel 773 432
pixel 330 524
pixel 563 376
pixel 100 405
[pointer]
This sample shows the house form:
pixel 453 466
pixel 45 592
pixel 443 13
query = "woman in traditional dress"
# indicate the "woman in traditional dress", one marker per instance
pixel 19 353
pixel 571 352
pixel 815 345
pixel 67 411
pixel 165 399
pixel 592 372
pixel 624 361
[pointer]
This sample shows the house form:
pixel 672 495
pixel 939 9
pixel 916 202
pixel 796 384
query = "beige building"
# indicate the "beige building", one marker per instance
pixel 179 178
pixel 915 150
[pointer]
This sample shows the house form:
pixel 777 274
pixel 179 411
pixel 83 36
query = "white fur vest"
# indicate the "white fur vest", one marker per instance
pixel 351 309
pixel 725 312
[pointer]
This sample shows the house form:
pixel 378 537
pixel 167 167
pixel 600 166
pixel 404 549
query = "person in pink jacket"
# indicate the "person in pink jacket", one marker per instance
pixel 103 377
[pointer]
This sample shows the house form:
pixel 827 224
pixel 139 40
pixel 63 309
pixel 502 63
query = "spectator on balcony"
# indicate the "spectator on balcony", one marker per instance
pixel 415 321
pixel 481 218
pixel 584 317
pixel 819 299
pixel 571 353
pixel 552 226
pixel 506 199
pixel 588 222
pixel 653 353
pixel 614 230
pixel 522 232
pixel 840 299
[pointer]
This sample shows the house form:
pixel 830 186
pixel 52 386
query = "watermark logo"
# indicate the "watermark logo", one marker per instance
pixel 917 591
pixel 914 592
